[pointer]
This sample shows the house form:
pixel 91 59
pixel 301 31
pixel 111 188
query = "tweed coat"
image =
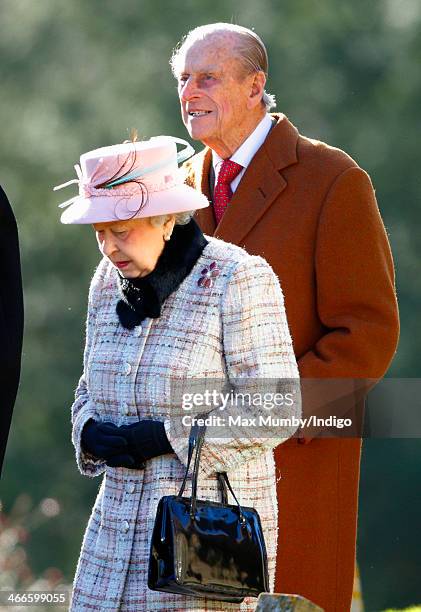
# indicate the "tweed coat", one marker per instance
pixel 236 328
pixel 311 212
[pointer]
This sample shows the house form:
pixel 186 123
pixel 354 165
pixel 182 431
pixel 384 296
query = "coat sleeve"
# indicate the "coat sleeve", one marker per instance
pixel 356 299
pixel 259 359
pixel 83 408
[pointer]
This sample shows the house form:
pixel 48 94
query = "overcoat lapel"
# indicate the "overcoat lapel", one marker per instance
pixel 201 166
pixel 260 186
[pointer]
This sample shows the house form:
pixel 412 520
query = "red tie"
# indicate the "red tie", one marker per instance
pixel 223 194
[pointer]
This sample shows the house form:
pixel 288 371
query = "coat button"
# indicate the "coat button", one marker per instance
pixel 138 330
pixel 130 487
pixel 125 526
pixel 127 369
pixel 120 565
pixel 125 407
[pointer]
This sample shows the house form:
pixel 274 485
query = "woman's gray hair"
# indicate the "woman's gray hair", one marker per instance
pixel 181 218
pixel 248 47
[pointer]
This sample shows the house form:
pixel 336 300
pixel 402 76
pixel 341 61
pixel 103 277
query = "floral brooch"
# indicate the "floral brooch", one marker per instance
pixel 208 275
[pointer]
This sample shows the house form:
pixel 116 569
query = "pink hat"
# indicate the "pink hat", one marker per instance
pixel 131 180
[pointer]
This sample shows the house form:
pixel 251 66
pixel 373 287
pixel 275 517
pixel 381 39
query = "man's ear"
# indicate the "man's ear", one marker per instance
pixel 257 88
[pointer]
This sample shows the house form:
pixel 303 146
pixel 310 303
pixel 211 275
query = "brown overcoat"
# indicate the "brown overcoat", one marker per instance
pixel 310 210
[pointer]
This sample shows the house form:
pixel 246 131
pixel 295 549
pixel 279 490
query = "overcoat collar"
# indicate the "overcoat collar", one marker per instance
pixel 261 184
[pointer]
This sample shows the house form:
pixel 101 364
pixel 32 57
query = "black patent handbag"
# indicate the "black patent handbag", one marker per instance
pixel 207 549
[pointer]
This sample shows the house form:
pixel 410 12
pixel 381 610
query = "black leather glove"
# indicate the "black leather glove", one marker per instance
pixel 104 441
pixel 146 439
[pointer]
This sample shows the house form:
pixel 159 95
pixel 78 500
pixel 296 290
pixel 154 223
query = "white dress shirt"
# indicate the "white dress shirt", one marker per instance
pixel 245 153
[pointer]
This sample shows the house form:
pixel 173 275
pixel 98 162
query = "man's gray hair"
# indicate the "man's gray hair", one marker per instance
pixel 248 46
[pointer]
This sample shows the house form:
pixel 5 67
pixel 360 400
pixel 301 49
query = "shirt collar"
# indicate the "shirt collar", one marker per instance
pixel 245 153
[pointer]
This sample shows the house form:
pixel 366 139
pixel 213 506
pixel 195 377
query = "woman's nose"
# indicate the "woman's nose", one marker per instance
pixel 108 246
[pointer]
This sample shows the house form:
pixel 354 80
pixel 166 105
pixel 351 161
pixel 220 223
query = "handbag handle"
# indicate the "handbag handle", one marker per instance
pixel 196 439
pixel 223 488
pixel 223 476
pixel 193 439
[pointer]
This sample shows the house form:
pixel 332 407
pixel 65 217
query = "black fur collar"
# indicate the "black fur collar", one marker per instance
pixel 143 297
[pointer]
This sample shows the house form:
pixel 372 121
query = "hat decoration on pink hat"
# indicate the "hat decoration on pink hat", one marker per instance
pixel 131 180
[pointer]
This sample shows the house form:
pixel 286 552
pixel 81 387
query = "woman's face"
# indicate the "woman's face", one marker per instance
pixel 132 246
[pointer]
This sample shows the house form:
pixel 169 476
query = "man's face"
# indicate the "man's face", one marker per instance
pixel 213 94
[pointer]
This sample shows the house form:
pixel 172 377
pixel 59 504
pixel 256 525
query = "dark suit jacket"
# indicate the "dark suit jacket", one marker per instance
pixel 11 319
pixel 310 210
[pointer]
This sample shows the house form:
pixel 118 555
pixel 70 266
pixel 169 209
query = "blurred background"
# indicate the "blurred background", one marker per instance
pixel 77 75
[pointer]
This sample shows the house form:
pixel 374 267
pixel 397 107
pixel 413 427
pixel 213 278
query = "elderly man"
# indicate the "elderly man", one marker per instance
pixel 310 210
pixel 11 318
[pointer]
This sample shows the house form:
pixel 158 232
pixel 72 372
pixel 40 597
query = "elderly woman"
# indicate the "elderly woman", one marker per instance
pixel 166 304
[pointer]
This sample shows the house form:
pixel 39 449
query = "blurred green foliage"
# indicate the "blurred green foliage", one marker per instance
pixel 78 75
pixel 411 609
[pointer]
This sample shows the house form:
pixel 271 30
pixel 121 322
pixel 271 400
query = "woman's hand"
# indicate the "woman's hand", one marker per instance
pixel 104 441
pixel 146 439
